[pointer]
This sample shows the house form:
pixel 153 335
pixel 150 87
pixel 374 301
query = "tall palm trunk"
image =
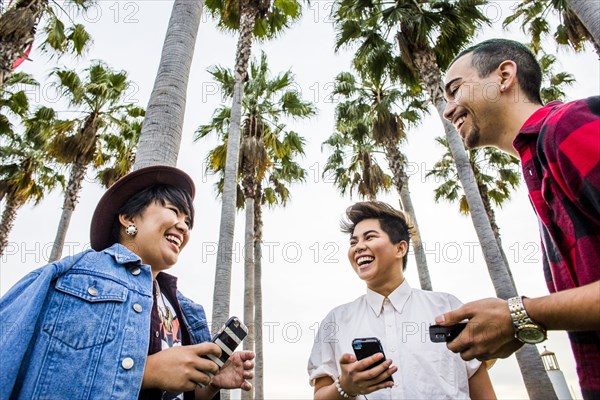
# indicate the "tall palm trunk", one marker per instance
pixel 222 292
pixel 249 281
pixel 17 31
pixel 536 379
pixel 396 162
pixel 258 315
pixel 160 138
pixel 588 12
pixel 78 171
pixel 420 258
pixel 249 188
pixel 485 198
pixel 8 218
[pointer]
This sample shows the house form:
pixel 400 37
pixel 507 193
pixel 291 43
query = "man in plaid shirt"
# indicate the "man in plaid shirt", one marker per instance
pixel 493 100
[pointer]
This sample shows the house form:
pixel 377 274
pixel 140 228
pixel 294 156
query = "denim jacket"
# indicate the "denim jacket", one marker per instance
pixel 78 328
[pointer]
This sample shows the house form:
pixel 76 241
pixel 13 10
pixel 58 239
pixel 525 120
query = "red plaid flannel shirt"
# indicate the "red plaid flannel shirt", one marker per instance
pixel 559 147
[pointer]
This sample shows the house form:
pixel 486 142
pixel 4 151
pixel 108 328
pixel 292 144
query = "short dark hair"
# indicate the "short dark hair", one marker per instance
pixel 393 222
pixel 488 55
pixel 160 193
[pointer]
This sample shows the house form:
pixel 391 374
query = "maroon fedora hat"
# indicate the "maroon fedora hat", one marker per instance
pixel 125 188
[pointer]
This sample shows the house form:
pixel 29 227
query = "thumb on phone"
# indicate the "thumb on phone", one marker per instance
pixel 452 317
pixel 347 358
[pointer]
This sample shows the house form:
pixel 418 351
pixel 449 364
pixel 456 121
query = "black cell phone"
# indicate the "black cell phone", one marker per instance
pixel 365 347
pixel 227 338
pixel 440 334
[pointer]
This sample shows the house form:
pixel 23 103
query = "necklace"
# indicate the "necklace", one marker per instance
pixel 167 319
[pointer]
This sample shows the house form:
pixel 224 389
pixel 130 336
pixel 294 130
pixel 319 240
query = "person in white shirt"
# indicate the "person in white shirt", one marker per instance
pixel 396 314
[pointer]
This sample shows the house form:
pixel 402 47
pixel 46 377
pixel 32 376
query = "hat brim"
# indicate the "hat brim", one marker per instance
pixel 125 188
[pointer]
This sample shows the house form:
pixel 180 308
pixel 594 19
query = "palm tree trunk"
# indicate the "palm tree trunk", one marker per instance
pixel 258 315
pixel 588 12
pixel 222 292
pixel 249 281
pixel 8 219
pixel 160 138
pixel 420 258
pixel 78 172
pixel 485 198
pixel 17 31
pixel 396 162
pixel 536 379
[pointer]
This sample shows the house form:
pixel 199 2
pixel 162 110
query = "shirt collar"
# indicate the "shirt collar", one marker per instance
pixel 398 298
pixel 122 254
pixel 533 125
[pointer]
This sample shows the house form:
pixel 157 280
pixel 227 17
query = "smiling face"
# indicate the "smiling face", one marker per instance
pixel 374 258
pixel 474 105
pixel 163 231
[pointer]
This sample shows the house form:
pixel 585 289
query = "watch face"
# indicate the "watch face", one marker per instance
pixel 531 334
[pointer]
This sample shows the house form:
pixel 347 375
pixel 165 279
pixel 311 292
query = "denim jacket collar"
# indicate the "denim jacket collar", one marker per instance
pixel 122 254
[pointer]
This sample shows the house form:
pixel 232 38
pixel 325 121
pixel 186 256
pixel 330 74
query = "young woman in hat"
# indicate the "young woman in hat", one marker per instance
pixel 109 322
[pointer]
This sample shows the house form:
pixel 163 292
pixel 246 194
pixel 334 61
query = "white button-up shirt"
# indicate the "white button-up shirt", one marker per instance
pixel 426 370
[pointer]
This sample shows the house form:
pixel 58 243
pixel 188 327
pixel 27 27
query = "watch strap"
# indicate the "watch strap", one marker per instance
pixel 518 313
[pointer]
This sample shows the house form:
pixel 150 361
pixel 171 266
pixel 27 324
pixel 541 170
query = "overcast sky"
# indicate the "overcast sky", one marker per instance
pixel 305 269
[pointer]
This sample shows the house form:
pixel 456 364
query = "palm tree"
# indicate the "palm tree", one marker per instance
pixel 119 151
pixel 75 142
pixel 497 174
pixel 578 22
pixel 588 13
pixel 369 106
pixel 429 35
pixel 18 26
pixel 163 125
pixel 353 165
pixel 267 152
pixel 25 175
pixel 250 18
pixel 553 84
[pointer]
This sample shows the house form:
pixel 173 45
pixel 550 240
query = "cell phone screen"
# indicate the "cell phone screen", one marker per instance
pixel 365 347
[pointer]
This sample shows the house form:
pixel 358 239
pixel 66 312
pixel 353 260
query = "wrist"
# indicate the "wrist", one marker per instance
pixel 341 390
pixel 212 387
pixel 526 329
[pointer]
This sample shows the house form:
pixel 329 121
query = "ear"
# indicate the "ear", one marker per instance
pixel 507 74
pixel 125 220
pixel 401 249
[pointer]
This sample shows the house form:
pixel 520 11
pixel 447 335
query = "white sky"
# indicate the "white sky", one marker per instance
pixel 305 268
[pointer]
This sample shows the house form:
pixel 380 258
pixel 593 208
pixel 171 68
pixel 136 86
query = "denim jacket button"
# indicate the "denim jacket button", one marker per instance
pixel 136 271
pixel 127 363
pixel 137 308
pixel 93 291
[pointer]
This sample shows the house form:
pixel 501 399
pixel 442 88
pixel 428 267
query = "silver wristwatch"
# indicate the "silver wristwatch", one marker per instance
pixel 526 330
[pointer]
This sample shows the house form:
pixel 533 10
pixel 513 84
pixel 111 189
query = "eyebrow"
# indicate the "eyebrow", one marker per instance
pixel 364 233
pixel 447 86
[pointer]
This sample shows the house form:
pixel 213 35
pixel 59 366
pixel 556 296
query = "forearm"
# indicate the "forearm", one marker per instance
pixel 572 310
pixel 206 393
pixel 480 386
pixel 325 390
pixel 149 379
pixel 329 392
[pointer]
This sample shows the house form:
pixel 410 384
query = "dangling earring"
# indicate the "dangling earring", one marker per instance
pixel 131 230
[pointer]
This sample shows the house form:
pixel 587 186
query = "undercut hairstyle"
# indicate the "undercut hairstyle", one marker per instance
pixel 488 55
pixel 393 222
pixel 157 193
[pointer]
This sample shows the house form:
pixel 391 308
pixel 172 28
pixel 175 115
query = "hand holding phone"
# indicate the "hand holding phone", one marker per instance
pixel 365 347
pixel 440 334
pixel 228 338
